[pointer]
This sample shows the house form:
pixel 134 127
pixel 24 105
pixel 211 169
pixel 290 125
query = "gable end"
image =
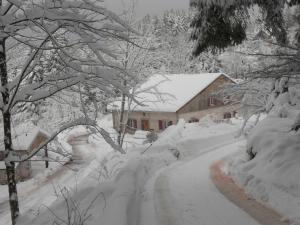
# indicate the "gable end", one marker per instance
pixel 193 104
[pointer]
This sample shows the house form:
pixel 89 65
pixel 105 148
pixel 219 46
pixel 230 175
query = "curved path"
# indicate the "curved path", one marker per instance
pixel 185 195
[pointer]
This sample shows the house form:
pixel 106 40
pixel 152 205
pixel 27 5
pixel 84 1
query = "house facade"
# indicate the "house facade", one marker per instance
pixel 198 101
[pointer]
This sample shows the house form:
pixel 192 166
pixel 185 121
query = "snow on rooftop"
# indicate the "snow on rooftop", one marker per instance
pixel 22 137
pixel 176 90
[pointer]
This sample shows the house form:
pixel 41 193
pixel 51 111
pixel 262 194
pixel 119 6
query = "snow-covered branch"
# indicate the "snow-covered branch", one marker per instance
pixel 14 157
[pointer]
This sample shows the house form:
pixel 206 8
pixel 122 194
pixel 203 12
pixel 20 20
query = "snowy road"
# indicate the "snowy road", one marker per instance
pixel 185 195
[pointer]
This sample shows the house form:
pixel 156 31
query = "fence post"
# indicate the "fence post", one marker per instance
pixel 46 155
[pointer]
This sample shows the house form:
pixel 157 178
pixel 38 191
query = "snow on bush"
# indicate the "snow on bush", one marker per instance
pixel 172 133
pixel 151 137
pixel 270 171
pixel 140 134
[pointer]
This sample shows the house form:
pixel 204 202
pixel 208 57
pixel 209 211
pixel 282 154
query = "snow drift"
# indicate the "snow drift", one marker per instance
pixel 270 172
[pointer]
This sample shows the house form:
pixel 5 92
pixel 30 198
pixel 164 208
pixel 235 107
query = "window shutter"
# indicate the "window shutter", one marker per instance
pixel 160 124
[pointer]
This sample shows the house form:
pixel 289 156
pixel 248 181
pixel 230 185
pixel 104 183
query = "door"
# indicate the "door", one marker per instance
pixel 145 125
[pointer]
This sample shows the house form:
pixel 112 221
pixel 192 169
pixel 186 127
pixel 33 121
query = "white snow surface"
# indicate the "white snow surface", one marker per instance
pixel 193 198
pixel 273 176
pixel 23 136
pixel 125 185
pixel 149 187
pixel 168 93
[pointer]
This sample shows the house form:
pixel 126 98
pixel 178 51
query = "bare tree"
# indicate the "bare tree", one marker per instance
pixel 78 32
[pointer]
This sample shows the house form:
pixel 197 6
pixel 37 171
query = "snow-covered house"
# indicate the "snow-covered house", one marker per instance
pixel 23 144
pixel 166 99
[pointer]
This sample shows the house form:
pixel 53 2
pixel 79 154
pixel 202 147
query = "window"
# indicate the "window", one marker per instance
pixel 211 101
pixel 226 99
pixel 193 120
pixel 132 123
pixel 227 115
pixel 163 124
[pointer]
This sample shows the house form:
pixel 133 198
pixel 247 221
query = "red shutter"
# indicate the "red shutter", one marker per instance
pixel 160 124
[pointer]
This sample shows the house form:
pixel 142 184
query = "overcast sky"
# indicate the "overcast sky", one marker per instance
pixel 145 7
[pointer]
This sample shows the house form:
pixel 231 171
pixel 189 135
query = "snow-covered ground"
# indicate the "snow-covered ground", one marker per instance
pixel 123 184
pixel 273 175
pixel 185 194
pixel 149 187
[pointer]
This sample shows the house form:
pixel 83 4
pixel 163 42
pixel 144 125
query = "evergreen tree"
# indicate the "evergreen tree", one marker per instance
pixel 219 24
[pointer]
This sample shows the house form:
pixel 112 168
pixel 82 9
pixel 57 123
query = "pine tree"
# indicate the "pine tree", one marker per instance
pixel 219 24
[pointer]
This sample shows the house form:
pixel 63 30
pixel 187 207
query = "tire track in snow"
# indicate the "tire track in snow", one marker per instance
pixel 166 211
pixel 182 196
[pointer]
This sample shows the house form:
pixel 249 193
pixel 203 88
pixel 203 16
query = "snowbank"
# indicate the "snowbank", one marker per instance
pixel 273 175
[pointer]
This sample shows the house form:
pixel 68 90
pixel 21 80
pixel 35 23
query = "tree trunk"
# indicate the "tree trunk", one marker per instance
pixel 10 170
pixel 122 123
pixel 10 166
pixel 46 155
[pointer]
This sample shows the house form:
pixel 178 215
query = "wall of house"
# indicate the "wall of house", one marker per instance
pixel 216 113
pixel 23 172
pixel 200 102
pixel 153 118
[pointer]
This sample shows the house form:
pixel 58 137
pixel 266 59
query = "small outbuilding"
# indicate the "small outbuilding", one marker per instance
pixel 23 144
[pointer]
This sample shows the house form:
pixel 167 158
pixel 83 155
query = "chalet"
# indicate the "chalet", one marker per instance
pixel 183 96
pixel 23 144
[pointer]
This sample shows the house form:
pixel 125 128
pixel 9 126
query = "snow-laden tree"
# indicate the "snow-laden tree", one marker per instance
pixel 137 56
pixel 77 32
pixel 219 24
pixel 172 33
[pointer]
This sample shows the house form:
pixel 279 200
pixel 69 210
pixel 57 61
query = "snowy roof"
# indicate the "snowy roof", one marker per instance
pixel 22 138
pixel 176 90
